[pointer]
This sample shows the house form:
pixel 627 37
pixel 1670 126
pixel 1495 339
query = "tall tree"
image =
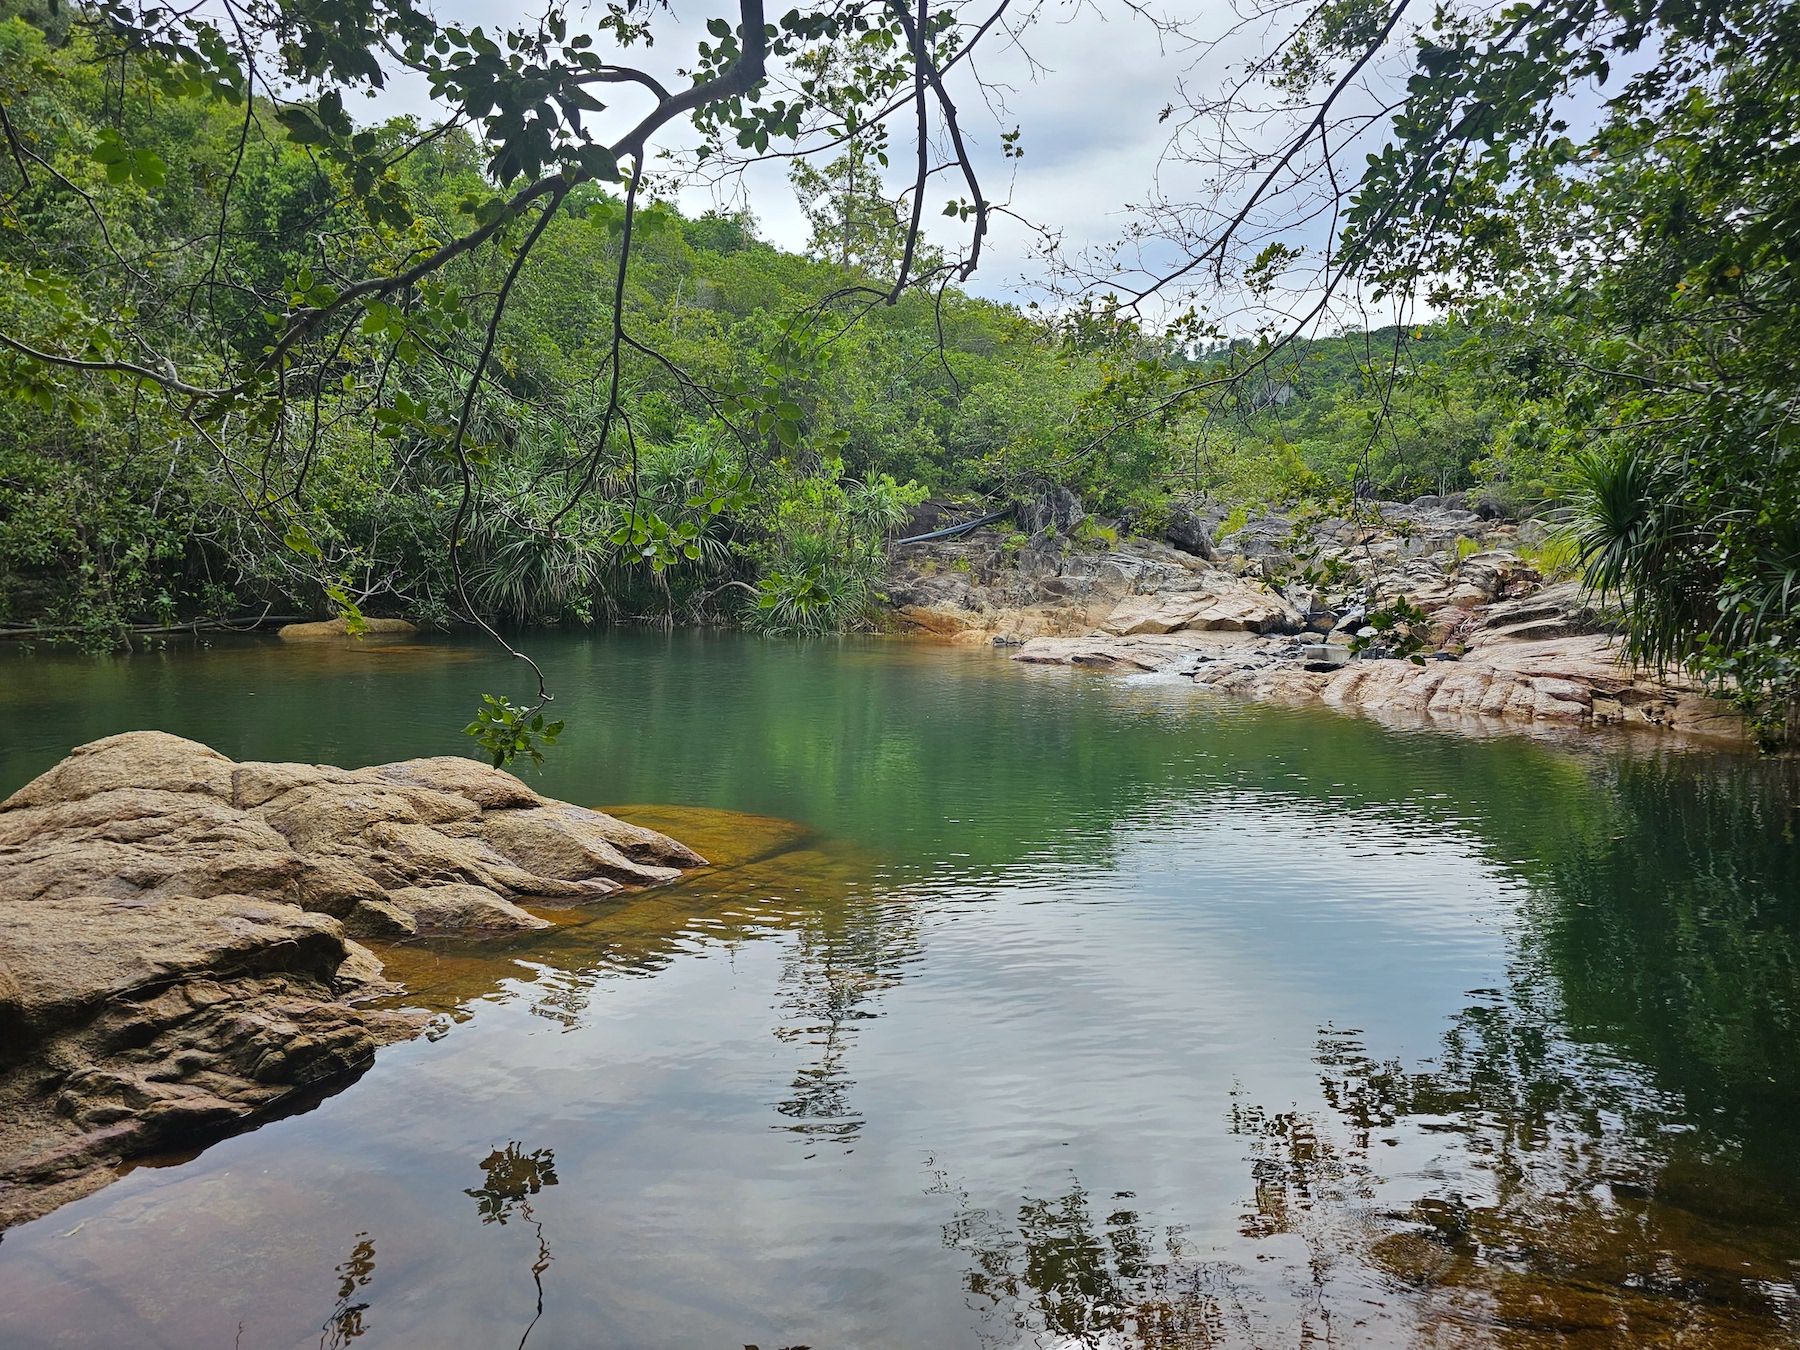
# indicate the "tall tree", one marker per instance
pixel 361 285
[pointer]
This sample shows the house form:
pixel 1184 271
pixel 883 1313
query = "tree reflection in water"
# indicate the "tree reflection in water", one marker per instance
pixel 1563 1200
pixel 1571 1201
pixel 512 1177
pixel 1057 1277
pixel 346 1321
pixel 844 956
pixel 852 939
pixel 1600 1156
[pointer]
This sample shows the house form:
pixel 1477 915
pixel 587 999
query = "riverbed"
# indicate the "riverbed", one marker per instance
pixel 1021 1007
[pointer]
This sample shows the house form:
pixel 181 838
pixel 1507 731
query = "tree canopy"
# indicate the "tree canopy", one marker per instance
pixel 479 369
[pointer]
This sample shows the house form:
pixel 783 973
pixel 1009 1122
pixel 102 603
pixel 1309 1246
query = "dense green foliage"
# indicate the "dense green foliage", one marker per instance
pixel 117 511
pixel 1392 414
pixel 774 437
pixel 265 358
pixel 422 365
pixel 1638 285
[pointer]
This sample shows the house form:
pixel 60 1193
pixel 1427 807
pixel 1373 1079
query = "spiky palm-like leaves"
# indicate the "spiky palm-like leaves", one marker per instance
pixel 1638 544
pixel 1703 550
pixel 538 576
pixel 812 591
pixel 821 579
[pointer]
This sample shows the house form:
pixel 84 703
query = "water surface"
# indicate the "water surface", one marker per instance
pixel 1022 1008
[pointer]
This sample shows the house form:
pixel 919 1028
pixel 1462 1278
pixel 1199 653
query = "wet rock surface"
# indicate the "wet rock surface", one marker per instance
pixel 177 950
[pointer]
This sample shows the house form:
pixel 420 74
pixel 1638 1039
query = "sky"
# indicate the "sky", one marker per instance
pixel 1087 101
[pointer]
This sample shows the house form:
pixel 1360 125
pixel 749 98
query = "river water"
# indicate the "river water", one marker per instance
pixel 1021 1008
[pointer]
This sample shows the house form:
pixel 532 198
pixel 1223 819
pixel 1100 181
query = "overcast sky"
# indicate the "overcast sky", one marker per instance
pixel 1089 118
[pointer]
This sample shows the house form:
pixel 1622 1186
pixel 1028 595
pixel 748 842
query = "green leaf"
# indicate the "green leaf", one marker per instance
pixel 505 731
pixel 599 161
pixel 300 541
pixel 302 127
pixel 149 169
pixel 110 149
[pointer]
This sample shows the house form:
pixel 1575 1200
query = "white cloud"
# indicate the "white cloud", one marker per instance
pixel 1087 101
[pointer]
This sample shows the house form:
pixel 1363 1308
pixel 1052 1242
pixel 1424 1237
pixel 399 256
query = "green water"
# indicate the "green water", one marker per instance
pixel 1072 1011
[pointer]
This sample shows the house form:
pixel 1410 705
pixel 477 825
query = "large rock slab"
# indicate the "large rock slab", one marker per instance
pixel 1570 681
pixel 1501 681
pixel 1218 603
pixel 1504 648
pixel 1146 652
pixel 176 929
pixel 980 588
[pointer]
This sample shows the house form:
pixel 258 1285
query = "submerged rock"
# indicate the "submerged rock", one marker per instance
pixel 325 629
pixel 175 932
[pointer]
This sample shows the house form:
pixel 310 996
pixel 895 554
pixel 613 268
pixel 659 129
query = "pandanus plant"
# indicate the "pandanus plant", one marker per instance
pixel 1702 551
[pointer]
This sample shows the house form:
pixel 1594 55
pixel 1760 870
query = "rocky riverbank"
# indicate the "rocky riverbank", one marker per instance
pixel 177 932
pixel 1268 607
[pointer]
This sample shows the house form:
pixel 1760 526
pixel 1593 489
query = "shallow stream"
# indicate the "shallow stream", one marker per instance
pixel 1020 1008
